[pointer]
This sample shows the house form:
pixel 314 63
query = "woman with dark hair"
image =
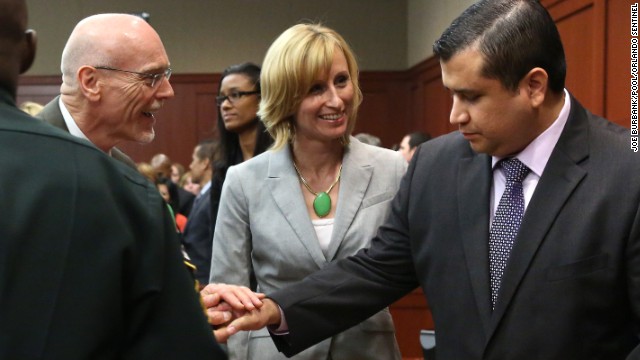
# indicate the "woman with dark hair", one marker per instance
pixel 242 134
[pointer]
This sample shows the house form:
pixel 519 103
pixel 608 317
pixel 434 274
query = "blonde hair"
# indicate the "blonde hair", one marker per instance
pixel 292 64
pixel 30 107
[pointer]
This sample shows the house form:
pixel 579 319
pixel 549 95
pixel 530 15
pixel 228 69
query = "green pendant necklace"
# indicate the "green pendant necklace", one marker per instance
pixel 322 202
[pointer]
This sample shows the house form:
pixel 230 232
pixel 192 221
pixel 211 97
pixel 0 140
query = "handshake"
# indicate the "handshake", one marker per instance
pixel 232 308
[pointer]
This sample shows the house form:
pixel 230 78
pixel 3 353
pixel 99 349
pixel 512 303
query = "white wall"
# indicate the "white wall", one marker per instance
pixel 205 36
pixel 426 20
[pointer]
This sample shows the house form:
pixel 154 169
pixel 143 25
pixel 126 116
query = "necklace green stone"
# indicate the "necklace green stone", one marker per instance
pixel 322 202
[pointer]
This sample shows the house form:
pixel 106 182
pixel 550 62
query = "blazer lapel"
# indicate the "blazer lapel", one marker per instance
pixel 474 187
pixel 355 178
pixel 51 114
pixel 283 182
pixel 561 176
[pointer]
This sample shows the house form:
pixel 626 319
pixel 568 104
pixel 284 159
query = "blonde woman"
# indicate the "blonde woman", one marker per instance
pixel 316 196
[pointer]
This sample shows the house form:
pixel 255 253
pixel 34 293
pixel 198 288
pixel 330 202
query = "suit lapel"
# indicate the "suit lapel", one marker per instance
pixel 285 190
pixel 474 187
pixel 51 114
pixel 560 178
pixel 356 175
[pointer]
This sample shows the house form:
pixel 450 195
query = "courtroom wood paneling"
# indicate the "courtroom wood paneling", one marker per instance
pixel 384 111
pixel 410 315
pixel 432 102
pixel 40 89
pixel 618 62
pixel 581 24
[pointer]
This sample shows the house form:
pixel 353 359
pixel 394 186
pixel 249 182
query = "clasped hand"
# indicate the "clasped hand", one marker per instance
pixel 232 308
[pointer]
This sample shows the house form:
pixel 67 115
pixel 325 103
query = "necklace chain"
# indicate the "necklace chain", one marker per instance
pixel 304 181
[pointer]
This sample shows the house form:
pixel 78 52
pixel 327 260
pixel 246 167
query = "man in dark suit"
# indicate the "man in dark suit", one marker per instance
pixel 197 237
pixel 115 74
pixel 566 285
pixel 85 273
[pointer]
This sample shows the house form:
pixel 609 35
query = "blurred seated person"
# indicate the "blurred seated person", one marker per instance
pixel 186 183
pixel 31 107
pixel 169 192
pixel 147 171
pixel 177 170
pixel 162 167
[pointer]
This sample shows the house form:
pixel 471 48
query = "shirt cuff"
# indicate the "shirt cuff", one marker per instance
pixel 283 328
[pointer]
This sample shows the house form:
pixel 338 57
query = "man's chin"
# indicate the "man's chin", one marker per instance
pixel 146 137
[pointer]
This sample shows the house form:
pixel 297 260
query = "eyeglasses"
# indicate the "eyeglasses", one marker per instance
pixel 234 96
pixel 155 79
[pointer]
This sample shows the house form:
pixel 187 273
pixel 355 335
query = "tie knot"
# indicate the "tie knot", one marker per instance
pixel 515 170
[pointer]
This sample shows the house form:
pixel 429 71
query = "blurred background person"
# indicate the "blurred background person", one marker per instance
pixel 169 192
pixel 147 171
pixel 410 142
pixel 177 170
pixel 317 196
pixel 242 134
pixel 162 165
pixel 31 107
pixel 187 184
pixel 197 236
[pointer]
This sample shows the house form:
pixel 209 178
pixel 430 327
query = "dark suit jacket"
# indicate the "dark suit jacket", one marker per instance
pixel 90 266
pixel 571 289
pixel 185 201
pixel 197 237
pixel 52 114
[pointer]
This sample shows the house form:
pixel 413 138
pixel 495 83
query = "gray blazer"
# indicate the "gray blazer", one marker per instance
pixel 263 226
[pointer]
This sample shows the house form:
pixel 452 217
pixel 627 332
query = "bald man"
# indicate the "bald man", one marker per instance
pixel 115 77
pixel 84 273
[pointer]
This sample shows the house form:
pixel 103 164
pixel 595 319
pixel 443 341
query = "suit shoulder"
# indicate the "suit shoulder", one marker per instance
pixel 452 145
pixel 256 165
pixel 375 152
pixel 19 122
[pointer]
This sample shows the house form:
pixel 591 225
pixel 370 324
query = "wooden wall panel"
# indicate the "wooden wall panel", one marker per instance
pixel 618 62
pixel 581 24
pixel 385 106
pixel 40 89
pixel 431 113
pixel 410 315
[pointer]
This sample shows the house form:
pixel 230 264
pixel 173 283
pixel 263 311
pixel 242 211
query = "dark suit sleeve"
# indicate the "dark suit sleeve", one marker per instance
pixel 167 320
pixel 634 275
pixel 352 289
pixel 198 239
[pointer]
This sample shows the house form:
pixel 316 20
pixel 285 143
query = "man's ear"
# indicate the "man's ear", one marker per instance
pixel 88 82
pixel 536 84
pixel 28 54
